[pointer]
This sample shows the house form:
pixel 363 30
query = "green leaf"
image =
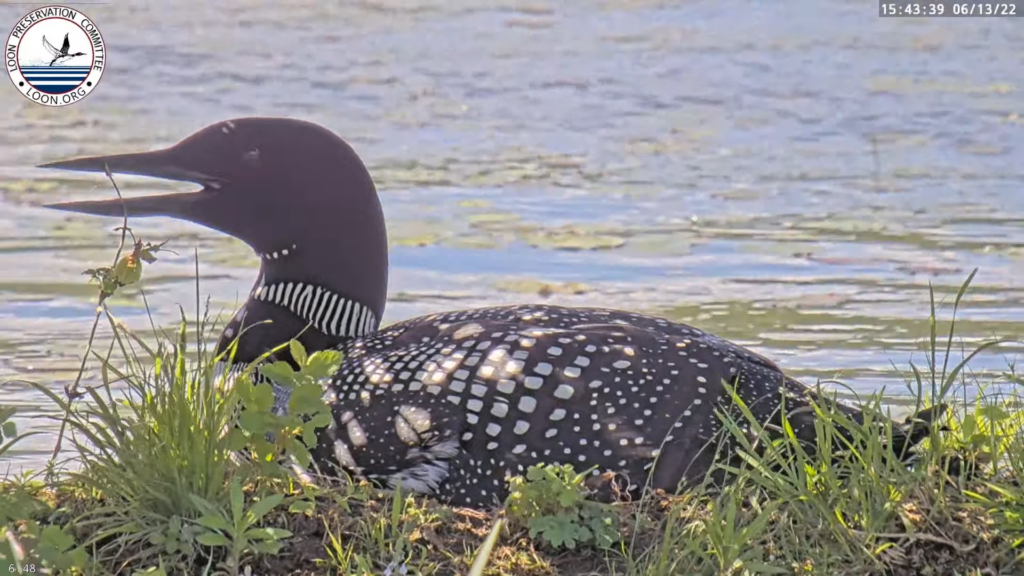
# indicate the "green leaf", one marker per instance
pixel 307 399
pixel 279 372
pixel 147 255
pixel 55 537
pixel 213 539
pixel 569 498
pixel 321 419
pixel 323 364
pixel 253 422
pixel 217 522
pixel 298 352
pixel 301 454
pixel 128 270
pixel 268 534
pixel 483 554
pixel 7 412
pixel 263 397
pixel 237 502
pixel 237 439
pixel 993 413
pixel 969 425
pixel 204 506
pixel 77 558
pixel 262 507
pixel 267 546
pixel 302 507
pixel 265 450
pixel 9 429
pixel 309 434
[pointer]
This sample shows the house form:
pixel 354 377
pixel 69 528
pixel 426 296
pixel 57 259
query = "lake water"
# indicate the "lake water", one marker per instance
pixel 791 175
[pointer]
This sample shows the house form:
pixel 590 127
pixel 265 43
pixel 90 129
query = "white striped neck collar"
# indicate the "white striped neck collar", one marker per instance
pixel 331 313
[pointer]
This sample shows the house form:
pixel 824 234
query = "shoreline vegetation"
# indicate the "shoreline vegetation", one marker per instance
pixel 156 486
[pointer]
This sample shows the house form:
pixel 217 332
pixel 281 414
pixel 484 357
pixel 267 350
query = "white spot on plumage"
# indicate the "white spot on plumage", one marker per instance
pixel 506 386
pixel 356 434
pixel 344 456
pixel 564 391
pixel 527 404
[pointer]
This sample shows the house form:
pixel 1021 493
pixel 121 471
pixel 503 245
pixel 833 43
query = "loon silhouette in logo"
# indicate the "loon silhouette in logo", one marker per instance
pixel 63 52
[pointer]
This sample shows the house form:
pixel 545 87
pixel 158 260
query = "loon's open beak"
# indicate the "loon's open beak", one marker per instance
pixel 157 164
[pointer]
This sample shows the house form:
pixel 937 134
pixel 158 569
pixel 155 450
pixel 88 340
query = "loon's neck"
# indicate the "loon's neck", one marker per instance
pixel 334 314
pixel 320 306
pixel 323 288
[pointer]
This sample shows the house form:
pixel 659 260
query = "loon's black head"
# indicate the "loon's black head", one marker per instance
pixel 292 190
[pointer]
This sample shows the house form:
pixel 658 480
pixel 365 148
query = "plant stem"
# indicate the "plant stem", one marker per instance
pixel 72 390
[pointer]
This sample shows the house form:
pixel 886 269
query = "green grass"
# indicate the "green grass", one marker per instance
pixel 156 485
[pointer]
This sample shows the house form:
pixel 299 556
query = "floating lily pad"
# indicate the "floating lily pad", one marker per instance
pixel 982 149
pixel 493 220
pixel 419 233
pixel 417 241
pixel 573 240
pixel 478 242
pixel 844 225
pixel 545 289
pixel 679 244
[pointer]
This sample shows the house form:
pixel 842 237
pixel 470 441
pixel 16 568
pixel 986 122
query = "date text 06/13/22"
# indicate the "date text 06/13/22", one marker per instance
pixel 950 9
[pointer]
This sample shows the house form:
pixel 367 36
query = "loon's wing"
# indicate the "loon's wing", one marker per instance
pixel 53 51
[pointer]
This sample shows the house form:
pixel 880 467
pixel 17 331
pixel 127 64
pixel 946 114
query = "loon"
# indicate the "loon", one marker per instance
pixel 63 52
pixel 449 404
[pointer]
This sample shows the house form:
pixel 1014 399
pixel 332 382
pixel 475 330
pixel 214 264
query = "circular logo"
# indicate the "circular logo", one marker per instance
pixel 55 56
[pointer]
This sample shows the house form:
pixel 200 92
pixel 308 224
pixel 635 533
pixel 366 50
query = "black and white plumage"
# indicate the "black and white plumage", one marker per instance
pixel 447 404
pixel 452 404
